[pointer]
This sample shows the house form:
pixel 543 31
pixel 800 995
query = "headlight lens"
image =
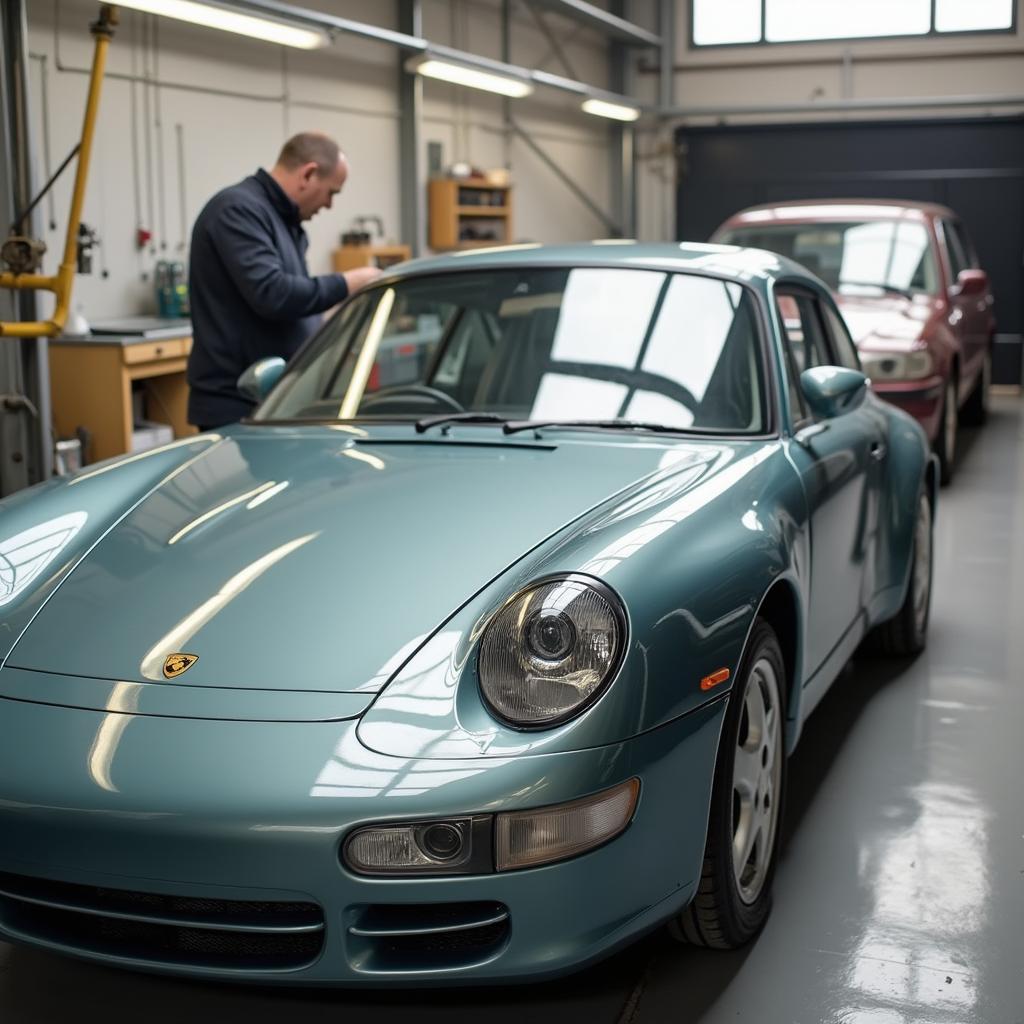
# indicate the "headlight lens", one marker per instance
pixel 897 365
pixel 549 651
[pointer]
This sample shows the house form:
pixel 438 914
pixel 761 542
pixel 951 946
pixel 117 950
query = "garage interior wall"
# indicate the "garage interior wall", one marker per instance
pixel 809 73
pixel 230 102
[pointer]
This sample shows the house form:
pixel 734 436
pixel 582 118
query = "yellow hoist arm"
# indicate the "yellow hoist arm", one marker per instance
pixel 61 283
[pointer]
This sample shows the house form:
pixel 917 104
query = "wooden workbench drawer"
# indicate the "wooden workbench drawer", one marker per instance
pixel 150 351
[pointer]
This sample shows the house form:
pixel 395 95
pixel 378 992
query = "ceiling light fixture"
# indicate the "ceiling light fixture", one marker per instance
pixel 214 15
pixel 616 111
pixel 464 74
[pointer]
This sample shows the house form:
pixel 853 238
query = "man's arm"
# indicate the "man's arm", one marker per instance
pixel 246 247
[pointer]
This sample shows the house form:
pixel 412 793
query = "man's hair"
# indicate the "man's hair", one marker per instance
pixel 310 147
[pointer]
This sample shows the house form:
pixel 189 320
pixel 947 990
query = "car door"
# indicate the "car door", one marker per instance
pixel 968 314
pixel 840 463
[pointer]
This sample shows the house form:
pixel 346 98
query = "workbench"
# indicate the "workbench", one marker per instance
pixel 91 384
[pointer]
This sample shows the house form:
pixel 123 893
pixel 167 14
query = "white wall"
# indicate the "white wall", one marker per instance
pixel 350 90
pixel 236 100
pixel 808 73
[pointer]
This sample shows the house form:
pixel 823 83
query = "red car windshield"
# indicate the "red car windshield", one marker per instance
pixel 856 257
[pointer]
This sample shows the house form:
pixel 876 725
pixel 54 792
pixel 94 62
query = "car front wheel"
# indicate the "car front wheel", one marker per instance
pixel 734 894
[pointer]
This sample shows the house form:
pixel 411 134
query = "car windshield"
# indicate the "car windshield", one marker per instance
pixel 857 258
pixel 554 345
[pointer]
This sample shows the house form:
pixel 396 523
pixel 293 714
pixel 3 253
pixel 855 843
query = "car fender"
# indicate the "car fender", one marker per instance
pixel 691 561
pixel 910 466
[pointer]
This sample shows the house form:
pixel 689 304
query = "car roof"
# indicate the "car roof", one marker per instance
pixel 838 209
pixel 728 261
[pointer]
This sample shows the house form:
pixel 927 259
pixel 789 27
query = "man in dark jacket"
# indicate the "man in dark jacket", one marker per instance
pixel 251 294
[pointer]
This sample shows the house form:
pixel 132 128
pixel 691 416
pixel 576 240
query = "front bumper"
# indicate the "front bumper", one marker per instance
pixel 922 399
pixel 114 820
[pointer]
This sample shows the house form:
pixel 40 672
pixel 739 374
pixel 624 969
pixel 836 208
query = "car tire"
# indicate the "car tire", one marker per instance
pixel 945 443
pixel 733 896
pixel 975 410
pixel 906 633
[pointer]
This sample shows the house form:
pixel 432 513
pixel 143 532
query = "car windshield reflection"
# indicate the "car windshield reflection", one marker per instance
pixel 555 345
pixel 873 257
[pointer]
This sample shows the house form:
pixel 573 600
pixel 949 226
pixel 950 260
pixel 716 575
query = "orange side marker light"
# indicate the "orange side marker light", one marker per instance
pixel 708 682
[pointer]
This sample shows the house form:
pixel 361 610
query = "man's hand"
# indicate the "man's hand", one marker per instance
pixel 360 277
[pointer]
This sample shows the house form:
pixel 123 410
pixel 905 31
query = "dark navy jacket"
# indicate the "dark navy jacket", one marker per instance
pixel 250 292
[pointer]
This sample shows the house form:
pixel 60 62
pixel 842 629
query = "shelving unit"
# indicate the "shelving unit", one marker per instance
pixel 467 213
pixel 350 257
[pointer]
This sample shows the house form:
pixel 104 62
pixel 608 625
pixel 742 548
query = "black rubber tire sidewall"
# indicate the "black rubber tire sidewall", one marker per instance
pixel 737 922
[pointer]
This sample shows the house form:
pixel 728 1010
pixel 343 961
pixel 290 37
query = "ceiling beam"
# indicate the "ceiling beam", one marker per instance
pixel 417 44
pixel 617 28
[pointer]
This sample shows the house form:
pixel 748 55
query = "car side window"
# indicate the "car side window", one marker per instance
pixel 954 246
pixel 966 245
pixel 842 343
pixel 804 342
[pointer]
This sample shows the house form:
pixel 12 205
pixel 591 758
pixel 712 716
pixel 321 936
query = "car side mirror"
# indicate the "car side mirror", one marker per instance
pixel 971 282
pixel 833 390
pixel 257 382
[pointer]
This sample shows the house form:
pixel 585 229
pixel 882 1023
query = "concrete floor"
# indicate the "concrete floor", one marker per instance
pixel 900 894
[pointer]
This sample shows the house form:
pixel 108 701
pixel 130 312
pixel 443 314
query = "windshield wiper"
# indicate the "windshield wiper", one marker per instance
pixel 890 289
pixel 458 417
pixel 514 426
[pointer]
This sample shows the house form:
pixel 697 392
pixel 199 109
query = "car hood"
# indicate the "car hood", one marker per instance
pixel 888 323
pixel 314 561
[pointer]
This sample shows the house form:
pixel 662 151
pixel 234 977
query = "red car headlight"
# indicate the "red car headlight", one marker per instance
pixel 880 366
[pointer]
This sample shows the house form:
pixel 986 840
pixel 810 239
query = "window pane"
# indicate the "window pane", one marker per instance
pixel 967 15
pixel 792 20
pixel 605 315
pixel 957 257
pixel 726 21
pixel 846 352
pixel 538 342
pixel 875 254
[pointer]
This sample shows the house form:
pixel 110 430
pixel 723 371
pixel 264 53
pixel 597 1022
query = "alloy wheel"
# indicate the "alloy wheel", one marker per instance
pixel 757 768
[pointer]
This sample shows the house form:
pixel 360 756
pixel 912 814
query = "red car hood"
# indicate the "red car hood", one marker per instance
pixel 887 323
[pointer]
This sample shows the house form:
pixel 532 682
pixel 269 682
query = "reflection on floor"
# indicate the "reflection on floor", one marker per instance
pixel 900 895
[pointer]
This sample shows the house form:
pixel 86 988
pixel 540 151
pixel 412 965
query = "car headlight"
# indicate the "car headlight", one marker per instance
pixel 550 651
pixel 897 365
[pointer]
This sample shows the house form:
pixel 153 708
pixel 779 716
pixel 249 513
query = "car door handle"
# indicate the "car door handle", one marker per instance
pixel 878 451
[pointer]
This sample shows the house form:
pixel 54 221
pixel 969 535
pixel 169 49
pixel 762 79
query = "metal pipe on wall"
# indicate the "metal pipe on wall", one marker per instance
pixel 26 455
pixel 410 141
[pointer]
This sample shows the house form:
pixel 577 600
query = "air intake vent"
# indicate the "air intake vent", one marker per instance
pixel 424 937
pixel 234 935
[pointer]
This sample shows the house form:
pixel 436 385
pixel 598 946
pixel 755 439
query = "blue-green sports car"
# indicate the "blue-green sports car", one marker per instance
pixel 479 650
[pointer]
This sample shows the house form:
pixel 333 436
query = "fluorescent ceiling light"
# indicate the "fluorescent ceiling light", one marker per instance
pixel 474 78
pixel 214 15
pixel 616 111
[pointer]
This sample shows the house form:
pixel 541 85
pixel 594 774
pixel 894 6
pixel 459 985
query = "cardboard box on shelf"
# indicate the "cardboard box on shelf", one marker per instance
pixel 146 434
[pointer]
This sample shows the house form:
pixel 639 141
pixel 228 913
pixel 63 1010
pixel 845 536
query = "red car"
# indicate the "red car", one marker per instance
pixel 907 279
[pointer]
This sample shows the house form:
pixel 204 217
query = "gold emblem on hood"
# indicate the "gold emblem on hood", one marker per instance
pixel 176 664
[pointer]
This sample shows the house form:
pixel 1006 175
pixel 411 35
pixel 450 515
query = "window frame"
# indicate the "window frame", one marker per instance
pixel 932 33
pixel 803 417
pixel 952 243
pixel 773 426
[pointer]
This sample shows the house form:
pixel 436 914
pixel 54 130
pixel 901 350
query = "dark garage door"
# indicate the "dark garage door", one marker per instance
pixel 975 166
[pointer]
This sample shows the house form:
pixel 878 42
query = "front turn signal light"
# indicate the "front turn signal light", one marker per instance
pixel 526 839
